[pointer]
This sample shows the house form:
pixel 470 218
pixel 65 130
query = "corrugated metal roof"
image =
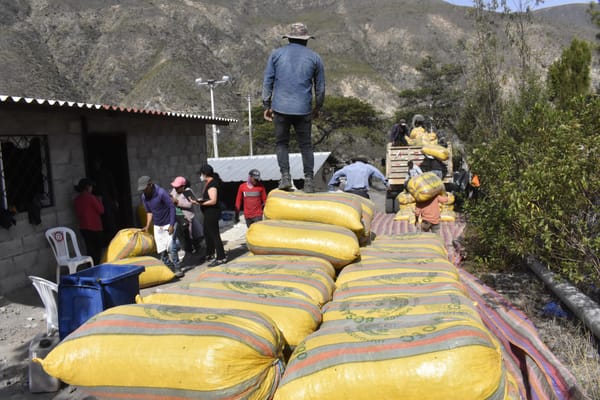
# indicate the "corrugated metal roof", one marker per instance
pixel 105 107
pixel 235 169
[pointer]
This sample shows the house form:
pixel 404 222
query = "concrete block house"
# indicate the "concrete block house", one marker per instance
pixel 46 146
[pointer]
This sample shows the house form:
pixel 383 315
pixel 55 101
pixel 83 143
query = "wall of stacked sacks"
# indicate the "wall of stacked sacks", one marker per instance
pixel 318 309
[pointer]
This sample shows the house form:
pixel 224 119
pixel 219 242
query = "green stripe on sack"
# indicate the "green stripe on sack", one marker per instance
pixel 294 303
pixel 379 342
pixel 206 322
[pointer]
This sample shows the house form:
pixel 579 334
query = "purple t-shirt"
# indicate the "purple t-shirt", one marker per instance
pixel 161 206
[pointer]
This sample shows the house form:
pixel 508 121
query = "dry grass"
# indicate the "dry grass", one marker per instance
pixel 574 345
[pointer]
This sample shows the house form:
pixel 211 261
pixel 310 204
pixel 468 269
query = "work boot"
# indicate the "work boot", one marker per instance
pixel 286 181
pixel 309 185
pixel 177 271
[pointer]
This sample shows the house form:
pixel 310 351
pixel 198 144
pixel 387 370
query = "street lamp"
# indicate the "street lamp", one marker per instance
pixel 211 83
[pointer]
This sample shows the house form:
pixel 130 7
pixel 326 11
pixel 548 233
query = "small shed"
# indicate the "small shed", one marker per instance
pixel 46 146
pixel 234 170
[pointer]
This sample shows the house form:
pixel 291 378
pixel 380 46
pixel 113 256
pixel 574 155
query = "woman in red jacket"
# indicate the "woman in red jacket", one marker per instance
pixel 89 209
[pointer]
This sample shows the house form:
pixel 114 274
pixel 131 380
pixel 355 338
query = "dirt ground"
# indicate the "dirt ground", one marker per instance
pixel 22 318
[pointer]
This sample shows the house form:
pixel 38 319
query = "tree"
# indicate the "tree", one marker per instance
pixel 345 123
pixel 436 95
pixel 481 114
pixel 541 194
pixel 569 76
pixel 344 113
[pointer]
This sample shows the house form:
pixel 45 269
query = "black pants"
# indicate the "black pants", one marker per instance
pixel 212 235
pixel 361 192
pixel 94 241
pixel 302 126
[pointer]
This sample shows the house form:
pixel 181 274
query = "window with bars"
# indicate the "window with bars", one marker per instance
pixel 24 173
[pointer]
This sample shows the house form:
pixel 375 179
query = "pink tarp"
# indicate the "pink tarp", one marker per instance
pixel 539 373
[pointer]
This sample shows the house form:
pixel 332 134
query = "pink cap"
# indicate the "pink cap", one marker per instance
pixel 178 182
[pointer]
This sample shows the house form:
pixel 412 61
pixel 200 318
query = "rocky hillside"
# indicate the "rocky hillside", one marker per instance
pixel 147 53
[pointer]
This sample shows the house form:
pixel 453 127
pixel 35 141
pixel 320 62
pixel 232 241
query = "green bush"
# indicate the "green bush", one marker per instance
pixel 540 184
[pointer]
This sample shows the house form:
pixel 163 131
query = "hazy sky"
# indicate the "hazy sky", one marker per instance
pixel 547 3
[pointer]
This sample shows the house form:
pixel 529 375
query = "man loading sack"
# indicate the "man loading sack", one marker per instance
pixel 357 175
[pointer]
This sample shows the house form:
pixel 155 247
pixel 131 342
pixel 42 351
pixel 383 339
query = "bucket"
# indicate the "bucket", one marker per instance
pixel 39 380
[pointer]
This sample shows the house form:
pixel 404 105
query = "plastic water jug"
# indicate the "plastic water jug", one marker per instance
pixel 39 380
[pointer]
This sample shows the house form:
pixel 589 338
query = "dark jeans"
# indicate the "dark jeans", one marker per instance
pixel 250 221
pixel 361 192
pixel 212 236
pixel 427 226
pixel 94 241
pixel 302 126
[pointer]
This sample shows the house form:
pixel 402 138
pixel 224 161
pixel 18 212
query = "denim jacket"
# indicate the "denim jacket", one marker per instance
pixel 290 75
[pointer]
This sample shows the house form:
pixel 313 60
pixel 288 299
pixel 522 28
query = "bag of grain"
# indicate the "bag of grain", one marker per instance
pixel 157 352
pixel 130 242
pixel 336 244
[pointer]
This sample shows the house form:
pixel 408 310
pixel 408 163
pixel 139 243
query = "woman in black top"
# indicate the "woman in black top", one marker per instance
pixel 212 212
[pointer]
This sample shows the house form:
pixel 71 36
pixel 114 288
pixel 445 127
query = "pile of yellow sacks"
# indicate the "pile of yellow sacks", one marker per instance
pixel 419 136
pixel 400 326
pixel 391 320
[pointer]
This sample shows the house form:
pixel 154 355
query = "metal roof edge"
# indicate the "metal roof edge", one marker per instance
pixel 108 107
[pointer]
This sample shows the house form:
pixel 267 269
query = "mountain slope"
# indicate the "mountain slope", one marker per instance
pixel 144 53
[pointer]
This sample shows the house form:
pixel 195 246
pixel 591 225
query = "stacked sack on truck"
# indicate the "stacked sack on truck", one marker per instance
pixel 133 246
pixel 419 136
pixel 165 352
pixel 400 326
pixel 289 289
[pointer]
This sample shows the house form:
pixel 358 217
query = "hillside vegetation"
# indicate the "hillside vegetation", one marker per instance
pixel 479 75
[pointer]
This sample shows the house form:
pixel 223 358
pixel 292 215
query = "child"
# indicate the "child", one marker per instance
pixel 429 211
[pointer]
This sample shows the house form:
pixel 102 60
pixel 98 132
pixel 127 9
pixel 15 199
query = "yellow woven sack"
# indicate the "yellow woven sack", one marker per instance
pixel 447 216
pixel 368 211
pixel 405 198
pixel 130 242
pixel 425 186
pixel 407 242
pixel 398 284
pixel 417 133
pixel 451 199
pixel 295 316
pixel 374 266
pixel 296 262
pixel 310 284
pixel 167 352
pixel 328 208
pixel 437 151
pixel 405 215
pixel 156 271
pixel 336 244
pixel 416 357
pixel 437 305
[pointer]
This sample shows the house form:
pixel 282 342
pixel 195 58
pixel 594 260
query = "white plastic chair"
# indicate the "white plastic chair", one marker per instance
pixel 66 250
pixel 48 291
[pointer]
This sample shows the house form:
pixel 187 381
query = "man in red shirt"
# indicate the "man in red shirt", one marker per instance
pixel 429 211
pixel 254 196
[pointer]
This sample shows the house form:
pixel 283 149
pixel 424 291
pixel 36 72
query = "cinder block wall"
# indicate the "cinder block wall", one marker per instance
pixel 160 147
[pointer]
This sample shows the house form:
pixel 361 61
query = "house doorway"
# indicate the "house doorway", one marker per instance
pixel 107 165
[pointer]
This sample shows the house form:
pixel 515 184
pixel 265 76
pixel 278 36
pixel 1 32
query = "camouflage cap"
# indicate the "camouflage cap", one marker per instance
pixel 298 31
